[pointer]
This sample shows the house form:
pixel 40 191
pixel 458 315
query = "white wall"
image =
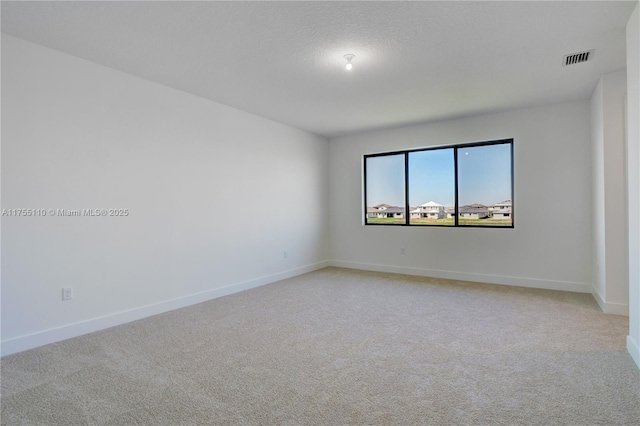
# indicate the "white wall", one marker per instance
pixel 608 139
pixel 633 154
pixel 550 246
pixel 215 196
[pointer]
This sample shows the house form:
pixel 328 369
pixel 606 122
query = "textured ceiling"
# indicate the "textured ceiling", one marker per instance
pixel 415 61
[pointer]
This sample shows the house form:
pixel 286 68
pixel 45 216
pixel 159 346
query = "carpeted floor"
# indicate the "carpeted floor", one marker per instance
pixel 338 347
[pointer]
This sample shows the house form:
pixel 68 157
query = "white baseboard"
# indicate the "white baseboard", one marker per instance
pixel 610 307
pixel 634 350
pixel 575 287
pixel 30 341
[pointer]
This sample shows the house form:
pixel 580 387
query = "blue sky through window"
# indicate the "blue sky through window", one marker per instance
pixel 385 180
pixel 431 177
pixel 484 176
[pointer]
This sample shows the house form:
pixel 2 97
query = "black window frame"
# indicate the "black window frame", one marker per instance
pixel 455 148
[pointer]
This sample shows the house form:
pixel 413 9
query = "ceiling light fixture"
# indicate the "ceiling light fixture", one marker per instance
pixel 349 57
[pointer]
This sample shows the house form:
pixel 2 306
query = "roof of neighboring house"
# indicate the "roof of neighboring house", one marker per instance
pixel 473 208
pixel 501 211
pixel 380 206
pixel 431 204
pixel 394 210
pixel 503 203
pixel 389 209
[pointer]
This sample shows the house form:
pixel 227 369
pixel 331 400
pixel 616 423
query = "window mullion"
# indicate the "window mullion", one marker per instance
pixel 407 213
pixel 455 185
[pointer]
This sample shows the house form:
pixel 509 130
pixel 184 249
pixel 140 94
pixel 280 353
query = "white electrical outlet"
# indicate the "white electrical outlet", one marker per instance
pixel 402 251
pixel 67 293
pixel 285 254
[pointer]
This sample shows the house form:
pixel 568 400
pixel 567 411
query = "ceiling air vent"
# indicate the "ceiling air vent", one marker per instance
pixel 576 58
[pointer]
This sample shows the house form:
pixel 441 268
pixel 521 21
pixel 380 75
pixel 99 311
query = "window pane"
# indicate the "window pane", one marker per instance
pixel 385 189
pixel 484 185
pixel 432 187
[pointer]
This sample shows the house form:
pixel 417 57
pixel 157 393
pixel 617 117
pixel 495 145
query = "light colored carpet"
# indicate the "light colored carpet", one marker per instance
pixel 337 347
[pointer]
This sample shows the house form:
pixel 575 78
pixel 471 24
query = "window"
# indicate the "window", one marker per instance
pixel 458 185
pixel 431 186
pixel 385 177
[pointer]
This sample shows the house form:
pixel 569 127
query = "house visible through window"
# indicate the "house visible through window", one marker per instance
pixel 458 185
